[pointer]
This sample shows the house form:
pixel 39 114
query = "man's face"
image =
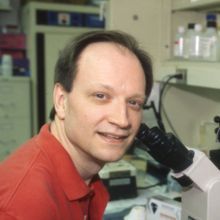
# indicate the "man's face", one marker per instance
pixel 104 109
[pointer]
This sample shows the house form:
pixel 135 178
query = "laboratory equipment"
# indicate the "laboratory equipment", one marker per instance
pixel 160 207
pixel 120 179
pixel 191 168
pixel 217 130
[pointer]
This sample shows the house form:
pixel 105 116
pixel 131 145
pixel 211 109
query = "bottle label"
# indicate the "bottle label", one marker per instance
pixel 195 49
pixel 209 48
pixel 178 47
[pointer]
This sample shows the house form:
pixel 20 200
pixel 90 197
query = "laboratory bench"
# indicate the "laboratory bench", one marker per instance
pixel 150 183
pixel 118 209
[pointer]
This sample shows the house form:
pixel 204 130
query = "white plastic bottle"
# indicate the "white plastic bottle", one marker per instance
pixel 195 44
pixel 211 41
pixel 7 65
pixel 189 40
pixel 179 43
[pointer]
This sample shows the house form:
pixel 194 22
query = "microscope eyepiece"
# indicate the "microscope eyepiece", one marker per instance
pixel 165 148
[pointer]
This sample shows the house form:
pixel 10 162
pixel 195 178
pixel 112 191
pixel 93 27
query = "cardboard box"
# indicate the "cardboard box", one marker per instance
pixel 13 41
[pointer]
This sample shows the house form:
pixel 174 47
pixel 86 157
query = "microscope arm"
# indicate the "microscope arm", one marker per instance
pixel 202 171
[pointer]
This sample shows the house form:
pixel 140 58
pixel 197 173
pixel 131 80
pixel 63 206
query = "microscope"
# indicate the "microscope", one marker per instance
pixel 199 177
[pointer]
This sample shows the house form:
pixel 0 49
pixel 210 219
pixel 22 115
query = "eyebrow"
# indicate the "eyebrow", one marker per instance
pixel 137 95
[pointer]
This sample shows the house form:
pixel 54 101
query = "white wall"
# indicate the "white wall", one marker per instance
pixel 188 108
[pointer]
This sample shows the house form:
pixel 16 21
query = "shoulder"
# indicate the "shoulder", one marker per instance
pixel 28 182
pixel 32 197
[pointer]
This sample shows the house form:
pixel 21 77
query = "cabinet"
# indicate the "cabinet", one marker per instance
pixel 195 4
pixel 203 74
pixel 15 113
pixel 45 38
pixel 146 20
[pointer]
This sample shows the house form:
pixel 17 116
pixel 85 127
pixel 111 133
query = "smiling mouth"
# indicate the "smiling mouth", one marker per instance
pixel 113 137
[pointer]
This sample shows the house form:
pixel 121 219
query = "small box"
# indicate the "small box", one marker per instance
pixel 13 41
pixel 64 18
pixel 76 19
pixel 21 67
pixel 93 20
pixel 59 18
pixel 51 18
pixel 16 54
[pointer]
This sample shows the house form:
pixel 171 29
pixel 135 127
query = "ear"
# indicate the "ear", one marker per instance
pixel 59 100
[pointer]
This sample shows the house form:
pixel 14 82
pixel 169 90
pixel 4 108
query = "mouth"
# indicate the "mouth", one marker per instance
pixel 113 137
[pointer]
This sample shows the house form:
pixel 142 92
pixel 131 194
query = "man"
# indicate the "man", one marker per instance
pixel 102 80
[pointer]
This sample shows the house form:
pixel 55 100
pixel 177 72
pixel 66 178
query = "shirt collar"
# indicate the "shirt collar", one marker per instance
pixel 70 180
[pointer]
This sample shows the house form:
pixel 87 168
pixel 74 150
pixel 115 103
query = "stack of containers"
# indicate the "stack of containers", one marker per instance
pixel 196 44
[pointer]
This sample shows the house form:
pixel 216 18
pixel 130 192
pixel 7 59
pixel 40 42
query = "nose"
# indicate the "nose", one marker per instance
pixel 119 116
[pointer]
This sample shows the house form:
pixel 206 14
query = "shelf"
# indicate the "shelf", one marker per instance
pixel 33 6
pixel 200 5
pixel 202 74
pixel 4 8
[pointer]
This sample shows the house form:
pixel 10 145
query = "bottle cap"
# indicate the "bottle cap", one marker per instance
pixel 181 29
pixel 211 17
pixel 198 27
pixel 211 24
pixel 191 25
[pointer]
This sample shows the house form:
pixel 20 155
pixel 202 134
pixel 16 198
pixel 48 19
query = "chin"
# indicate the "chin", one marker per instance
pixel 112 157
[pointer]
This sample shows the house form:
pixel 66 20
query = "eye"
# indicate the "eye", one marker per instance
pixel 100 96
pixel 136 104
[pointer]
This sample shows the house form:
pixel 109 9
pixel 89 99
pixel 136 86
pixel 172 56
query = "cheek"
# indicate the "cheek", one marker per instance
pixel 136 118
pixel 95 113
pixel 90 117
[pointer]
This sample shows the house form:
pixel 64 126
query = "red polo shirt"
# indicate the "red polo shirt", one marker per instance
pixel 39 182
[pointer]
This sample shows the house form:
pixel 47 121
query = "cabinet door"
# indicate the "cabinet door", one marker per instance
pixel 144 19
pixel 15 97
pixel 15 113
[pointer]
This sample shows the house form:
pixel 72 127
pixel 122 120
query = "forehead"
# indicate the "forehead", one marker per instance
pixel 105 49
pixel 102 61
pixel 107 53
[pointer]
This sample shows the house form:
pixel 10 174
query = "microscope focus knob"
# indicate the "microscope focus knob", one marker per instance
pixel 217 119
pixel 217 130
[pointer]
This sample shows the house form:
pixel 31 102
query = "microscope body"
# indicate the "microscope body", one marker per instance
pixel 201 200
pixel 191 168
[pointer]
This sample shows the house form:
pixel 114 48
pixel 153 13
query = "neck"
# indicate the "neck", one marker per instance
pixel 84 163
